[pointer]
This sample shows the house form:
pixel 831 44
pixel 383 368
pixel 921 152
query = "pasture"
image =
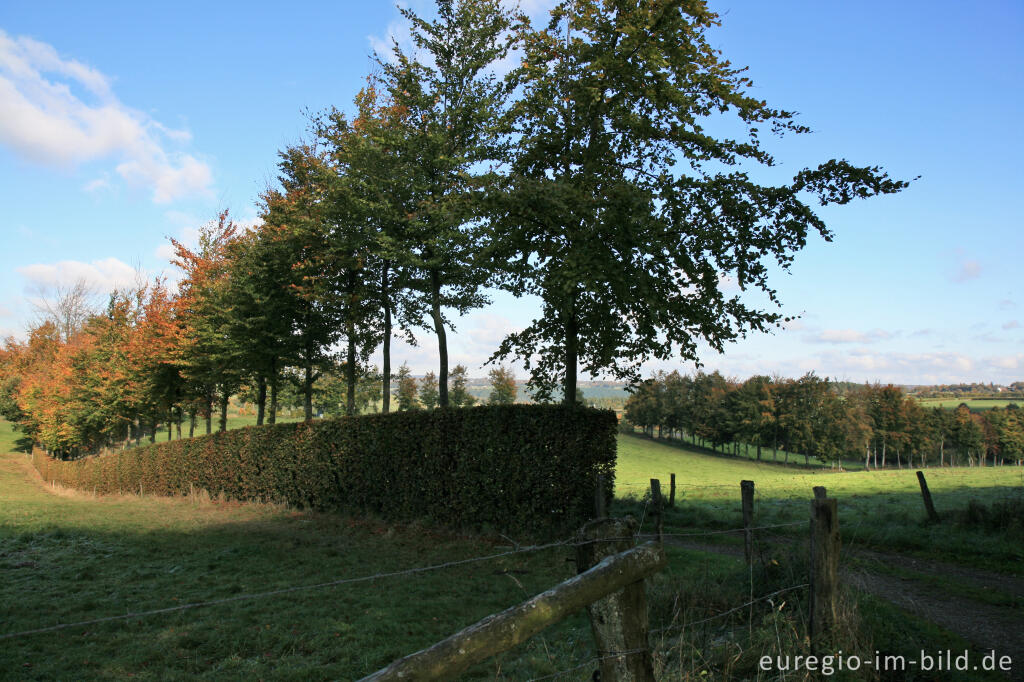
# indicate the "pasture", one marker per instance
pixel 880 509
pixel 975 404
pixel 68 556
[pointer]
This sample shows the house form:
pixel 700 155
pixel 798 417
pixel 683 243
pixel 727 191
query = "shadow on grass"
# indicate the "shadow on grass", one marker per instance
pixel 63 573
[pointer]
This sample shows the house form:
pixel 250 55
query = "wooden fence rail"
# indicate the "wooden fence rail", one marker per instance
pixel 499 632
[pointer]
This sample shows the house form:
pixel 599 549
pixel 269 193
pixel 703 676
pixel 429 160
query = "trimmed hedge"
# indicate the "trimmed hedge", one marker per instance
pixel 508 467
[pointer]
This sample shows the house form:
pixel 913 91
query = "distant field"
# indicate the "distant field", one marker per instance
pixel 973 403
pixel 702 474
pixel 876 508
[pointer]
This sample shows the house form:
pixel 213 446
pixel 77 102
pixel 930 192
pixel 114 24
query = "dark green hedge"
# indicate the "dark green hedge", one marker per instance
pixel 509 467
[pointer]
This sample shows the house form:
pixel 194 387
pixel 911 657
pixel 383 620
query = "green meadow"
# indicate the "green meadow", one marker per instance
pixel 975 404
pixel 877 509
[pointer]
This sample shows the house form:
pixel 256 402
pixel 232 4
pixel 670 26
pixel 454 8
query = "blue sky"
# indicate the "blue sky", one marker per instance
pixel 122 124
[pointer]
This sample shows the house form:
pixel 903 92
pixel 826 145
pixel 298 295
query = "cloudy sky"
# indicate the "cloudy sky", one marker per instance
pixel 123 124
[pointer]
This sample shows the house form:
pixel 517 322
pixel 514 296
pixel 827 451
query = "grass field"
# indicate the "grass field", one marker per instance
pixel 68 556
pixel 976 404
pixel 881 509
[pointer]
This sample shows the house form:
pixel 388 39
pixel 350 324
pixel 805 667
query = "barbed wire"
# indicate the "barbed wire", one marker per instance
pixel 651 536
pixel 571 542
pixel 631 652
pixel 723 614
pixel 589 662
pixel 294 588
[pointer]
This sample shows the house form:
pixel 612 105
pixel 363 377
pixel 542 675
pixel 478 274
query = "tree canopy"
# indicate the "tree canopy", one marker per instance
pixel 624 213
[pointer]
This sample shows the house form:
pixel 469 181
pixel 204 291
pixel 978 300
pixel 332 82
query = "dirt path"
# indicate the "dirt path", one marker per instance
pixel 986 626
pixel 1011 585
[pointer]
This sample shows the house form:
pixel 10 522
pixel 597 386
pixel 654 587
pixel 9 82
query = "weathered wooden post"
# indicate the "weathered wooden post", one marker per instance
pixel 747 492
pixel 926 494
pixel 618 621
pixel 599 498
pixel 657 503
pixel 672 490
pixel 824 569
pixel 820 492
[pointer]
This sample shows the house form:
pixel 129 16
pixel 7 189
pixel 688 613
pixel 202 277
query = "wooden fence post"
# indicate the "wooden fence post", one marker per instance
pixel 926 494
pixel 657 503
pixel 747 492
pixel 824 570
pixel 672 490
pixel 599 498
pixel 618 621
pixel 820 492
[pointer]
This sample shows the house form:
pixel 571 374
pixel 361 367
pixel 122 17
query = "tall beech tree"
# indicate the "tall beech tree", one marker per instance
pixel 624 213
pixel 261 311
pixel 453 107
pixel 299 216
pixel 372 202
pixel 209 359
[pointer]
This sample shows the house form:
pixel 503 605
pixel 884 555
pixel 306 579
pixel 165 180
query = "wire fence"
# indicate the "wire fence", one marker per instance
pixel 723 614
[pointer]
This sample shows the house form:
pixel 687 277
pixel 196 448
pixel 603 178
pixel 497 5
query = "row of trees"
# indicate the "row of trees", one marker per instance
pixel 809 416
pixel 90 379
pixel 573 162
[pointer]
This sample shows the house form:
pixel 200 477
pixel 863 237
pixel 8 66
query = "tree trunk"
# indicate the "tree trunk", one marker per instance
pixel 571 350
pixel 209 413
pixel 192 422
pixel 152 430
pixel 350 374
pixel 442 338
pixel 170 425
pixel 272 417
pixel 350 330
pixel 307 391
pixel 883 453
pixel 261 399
pixel 223 425
pixel 385 396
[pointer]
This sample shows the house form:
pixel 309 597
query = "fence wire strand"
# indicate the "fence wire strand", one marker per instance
pixel 723 614
pixel 289 590
pixel 587 663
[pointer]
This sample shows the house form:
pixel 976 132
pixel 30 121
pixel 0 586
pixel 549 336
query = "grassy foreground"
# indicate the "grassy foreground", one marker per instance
pixel 68 557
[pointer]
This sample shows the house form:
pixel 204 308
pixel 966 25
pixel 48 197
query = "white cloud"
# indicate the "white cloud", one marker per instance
pixel 1012 324
pixel 97 184
pixel 45 121
pixel 966 268
pixel 104 275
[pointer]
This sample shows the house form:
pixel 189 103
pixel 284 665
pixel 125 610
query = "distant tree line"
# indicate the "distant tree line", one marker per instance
pixel 586 175
pixel 809 416
pixel 972 390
